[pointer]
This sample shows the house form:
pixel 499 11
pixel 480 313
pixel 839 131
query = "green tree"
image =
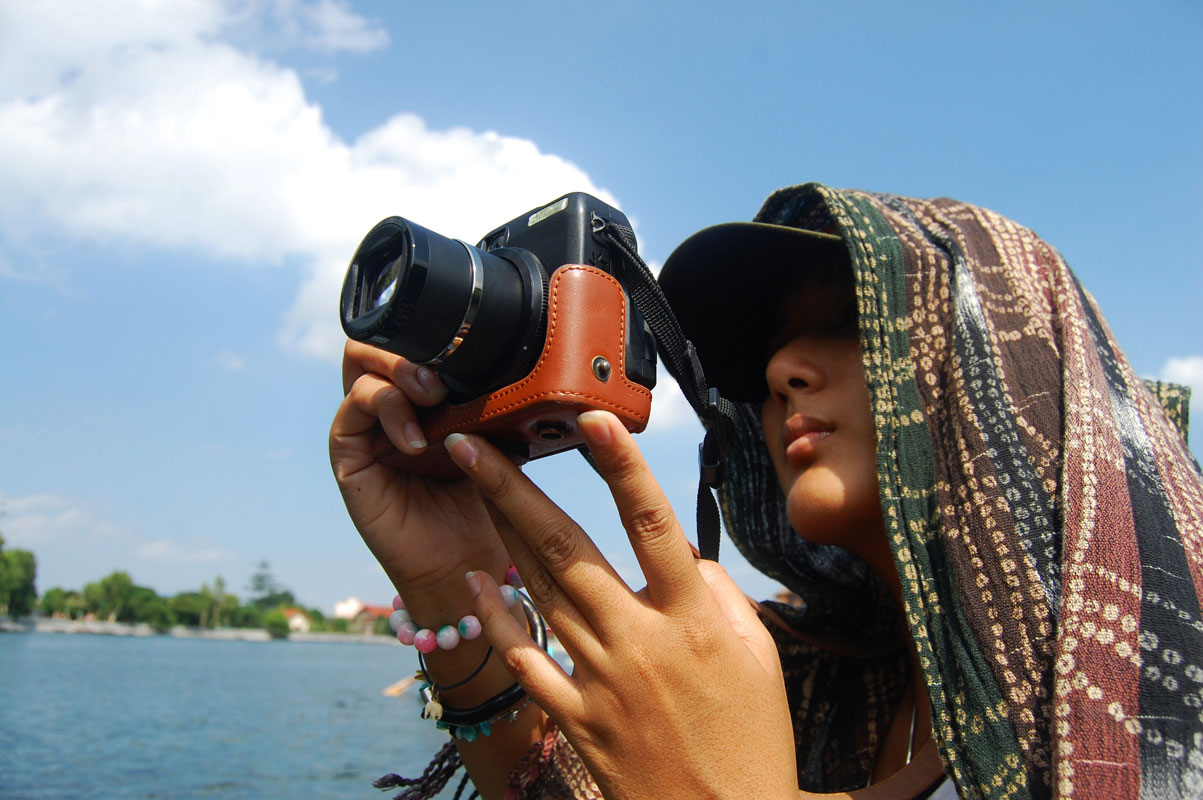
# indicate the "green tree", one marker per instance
pixel 247 617
pixel 54 602
pixel 218 618
pixel 18 572
pixel 75 606
pixel 145 605
pixel 109 597
pixel 188 608
pixel 229 607
pixel 276 624
pixel 317 621
pixel 216 606
pixel 207 606
pixel 265 593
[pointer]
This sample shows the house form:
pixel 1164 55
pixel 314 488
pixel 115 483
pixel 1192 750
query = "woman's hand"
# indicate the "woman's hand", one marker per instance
pixel 423 531
pixel 426 532
pixel 677 690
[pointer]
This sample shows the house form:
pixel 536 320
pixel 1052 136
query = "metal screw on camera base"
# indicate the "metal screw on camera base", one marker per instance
pixel 552 430
pixel 601 369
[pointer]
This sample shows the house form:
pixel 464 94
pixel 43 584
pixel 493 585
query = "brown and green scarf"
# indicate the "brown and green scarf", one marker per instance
pixel 1045 514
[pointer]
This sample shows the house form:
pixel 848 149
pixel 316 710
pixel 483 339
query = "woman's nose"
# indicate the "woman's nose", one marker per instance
pixel 791 370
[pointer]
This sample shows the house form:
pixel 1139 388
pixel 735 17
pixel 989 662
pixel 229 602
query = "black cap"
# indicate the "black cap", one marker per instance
pixel 726 283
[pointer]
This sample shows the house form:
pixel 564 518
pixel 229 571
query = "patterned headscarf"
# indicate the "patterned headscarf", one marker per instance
pixel 1044 512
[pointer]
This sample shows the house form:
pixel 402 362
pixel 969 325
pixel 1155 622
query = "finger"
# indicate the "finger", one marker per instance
pixel 572 628
pixel 422 384
pixel 660 545
pixel 374 399
pixel 559 563
pixel 542 678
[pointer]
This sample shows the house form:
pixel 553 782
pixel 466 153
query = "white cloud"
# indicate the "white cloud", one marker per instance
pixel 134 122
pixel 172 552
pixel 1187 370
pixel 328 25
pixel 61 529
pixel 670 409
pixel 44 519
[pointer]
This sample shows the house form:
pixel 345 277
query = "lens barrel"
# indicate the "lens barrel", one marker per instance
pixel 474 316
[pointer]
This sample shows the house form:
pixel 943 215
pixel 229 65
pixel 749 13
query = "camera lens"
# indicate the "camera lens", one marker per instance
pixel 383 289
pixel 473 316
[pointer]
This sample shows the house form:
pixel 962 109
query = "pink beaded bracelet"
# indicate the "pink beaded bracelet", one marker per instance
pixel 448 636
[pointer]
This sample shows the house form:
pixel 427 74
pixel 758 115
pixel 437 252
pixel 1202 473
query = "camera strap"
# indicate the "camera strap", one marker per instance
pixel 716 413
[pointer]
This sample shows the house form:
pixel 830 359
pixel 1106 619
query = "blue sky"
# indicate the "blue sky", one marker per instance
pixel 184 183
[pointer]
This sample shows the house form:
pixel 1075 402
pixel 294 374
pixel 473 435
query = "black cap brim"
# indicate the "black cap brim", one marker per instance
pixel 726 284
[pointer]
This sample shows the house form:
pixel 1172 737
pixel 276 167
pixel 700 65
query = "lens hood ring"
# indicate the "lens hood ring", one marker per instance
pixel 478 285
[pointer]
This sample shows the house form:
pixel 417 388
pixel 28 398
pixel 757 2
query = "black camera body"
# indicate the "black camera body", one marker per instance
pixel 527 329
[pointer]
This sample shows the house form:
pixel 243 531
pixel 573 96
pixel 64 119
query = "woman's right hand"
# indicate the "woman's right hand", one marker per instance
pixel 425 532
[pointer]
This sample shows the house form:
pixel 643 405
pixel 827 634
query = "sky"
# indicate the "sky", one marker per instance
pixel 183 183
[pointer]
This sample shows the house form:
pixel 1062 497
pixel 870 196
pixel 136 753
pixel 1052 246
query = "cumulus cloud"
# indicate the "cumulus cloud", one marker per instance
pixel 47 519
pixel 74 541
pixel 143 123
pixel 328 26
pixel 1187 370
pixel 670 409
pixel 173 552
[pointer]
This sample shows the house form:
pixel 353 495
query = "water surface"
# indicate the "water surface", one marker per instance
pixel 157 717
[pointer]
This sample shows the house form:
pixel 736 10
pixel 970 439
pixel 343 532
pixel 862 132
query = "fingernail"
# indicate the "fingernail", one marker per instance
pixel 414 436
pixel 473 583
pixel 462 450
pixel 513 578
pixel 595 427
pixel 431 382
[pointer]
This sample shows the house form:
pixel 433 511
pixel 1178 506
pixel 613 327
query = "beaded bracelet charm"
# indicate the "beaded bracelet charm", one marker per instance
pixel 470 733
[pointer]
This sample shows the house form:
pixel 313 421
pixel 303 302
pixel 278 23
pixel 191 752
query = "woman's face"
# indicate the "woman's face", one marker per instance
pixel 818 423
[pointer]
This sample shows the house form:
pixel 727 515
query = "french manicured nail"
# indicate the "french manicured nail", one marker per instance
pixel 473 583
pixel 462 450
pixel 595 427
pixel 414 436
pixel 430 381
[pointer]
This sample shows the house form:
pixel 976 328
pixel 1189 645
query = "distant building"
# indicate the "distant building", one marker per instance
pixel 348 609
pixel 298 620
pixel 367 617
pixel 360 616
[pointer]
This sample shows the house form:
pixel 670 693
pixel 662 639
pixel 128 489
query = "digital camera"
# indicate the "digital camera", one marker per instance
pixel 527 329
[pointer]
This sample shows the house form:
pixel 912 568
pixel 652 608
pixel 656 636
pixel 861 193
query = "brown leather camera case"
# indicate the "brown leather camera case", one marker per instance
pixel 586 320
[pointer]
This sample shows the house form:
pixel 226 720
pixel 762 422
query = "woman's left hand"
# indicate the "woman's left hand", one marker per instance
pixel 677 690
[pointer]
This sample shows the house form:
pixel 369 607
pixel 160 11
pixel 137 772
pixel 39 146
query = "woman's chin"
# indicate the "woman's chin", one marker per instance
pixel 823 511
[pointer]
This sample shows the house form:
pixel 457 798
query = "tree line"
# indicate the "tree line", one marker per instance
pixel 116 598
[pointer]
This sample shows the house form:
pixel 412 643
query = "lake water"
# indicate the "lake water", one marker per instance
pixel 124 717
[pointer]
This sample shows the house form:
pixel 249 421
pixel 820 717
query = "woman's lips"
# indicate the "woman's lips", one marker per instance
pixel 802 437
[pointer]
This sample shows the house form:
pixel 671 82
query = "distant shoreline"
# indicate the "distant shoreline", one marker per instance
pixel 102 628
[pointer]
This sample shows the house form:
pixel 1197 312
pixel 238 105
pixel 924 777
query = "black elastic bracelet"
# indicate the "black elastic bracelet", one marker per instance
pixel 463 717
pixel 457 684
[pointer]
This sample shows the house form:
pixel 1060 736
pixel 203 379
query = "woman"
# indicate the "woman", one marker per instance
pixel 993 526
